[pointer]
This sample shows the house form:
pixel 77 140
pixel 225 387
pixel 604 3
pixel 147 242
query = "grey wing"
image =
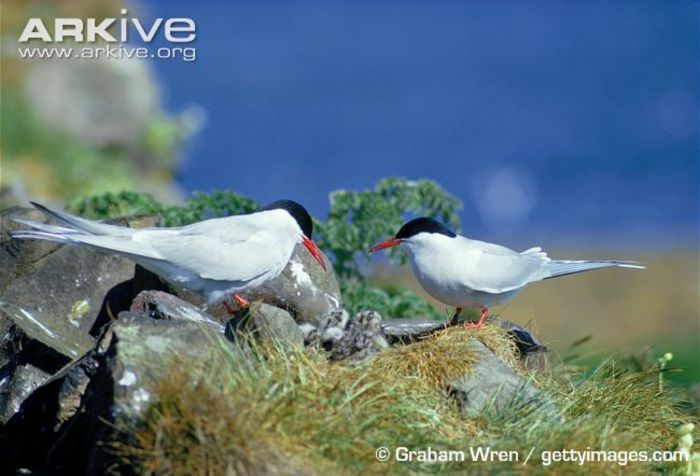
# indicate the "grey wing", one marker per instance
pixel 232 252
pixel 502 269
pixel 227 249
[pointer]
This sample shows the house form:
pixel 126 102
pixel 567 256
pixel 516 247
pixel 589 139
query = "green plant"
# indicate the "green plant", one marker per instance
pixel 663 360
pixel 359 296
pixel 200 207
pixel 358 220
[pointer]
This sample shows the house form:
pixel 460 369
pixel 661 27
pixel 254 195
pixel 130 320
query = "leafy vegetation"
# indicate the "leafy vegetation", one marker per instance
pixel 292 412
pixel 200 207
pixel 356 221
pixel 359 296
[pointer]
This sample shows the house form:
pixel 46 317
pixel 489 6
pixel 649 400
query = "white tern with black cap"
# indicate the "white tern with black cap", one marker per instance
pixel 217 258
pixel 468 273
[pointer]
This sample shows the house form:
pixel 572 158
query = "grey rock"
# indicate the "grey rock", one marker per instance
pixel 262 319
pixel 16 385
pixel 56 334
pixel 491 387
pixel 74 101
pixel 136 352
pixel 74 381
pixel 10 341
pixel 303 288
pixel 277 325
pixel 531 350
pixel 51 297
pixel 407 330
pixel 17 256
pixel 140 349
pixel 32 348
pixel 267 323
pixel 60 282
pixel 161 305
pixel 87 400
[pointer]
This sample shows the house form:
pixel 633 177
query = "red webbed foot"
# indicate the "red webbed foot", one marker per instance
pixel 480 322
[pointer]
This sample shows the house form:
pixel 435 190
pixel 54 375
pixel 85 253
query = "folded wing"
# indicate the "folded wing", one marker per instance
pixel 220 249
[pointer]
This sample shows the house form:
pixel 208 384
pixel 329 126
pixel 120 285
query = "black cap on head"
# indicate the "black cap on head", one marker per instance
pixel 299 213
pixel 423 224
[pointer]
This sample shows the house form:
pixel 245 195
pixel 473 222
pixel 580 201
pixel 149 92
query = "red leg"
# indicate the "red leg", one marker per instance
pixel 240 300
pixel 229 309
pixel 482 318
pixel 455 318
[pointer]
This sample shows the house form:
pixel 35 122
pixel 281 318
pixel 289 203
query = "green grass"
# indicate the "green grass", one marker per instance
pixel 294 412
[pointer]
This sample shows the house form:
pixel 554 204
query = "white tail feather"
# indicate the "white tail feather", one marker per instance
pixel 88 226
pixel 564 267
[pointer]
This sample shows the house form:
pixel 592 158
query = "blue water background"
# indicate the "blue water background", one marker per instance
pixel 555 122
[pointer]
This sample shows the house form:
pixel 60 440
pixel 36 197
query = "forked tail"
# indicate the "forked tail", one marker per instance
pixel 564 267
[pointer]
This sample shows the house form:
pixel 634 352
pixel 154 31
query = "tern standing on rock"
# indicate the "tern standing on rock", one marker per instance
pixel 217 258
pixel 468 273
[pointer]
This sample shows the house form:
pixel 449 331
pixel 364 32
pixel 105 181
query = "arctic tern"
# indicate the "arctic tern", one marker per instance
pixel 461 272
pixel 217 258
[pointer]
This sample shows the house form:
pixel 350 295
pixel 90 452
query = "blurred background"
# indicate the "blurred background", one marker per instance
pixel 573 126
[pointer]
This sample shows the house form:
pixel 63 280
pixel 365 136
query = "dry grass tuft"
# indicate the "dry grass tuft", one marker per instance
pixel 294 412
pixel 447 355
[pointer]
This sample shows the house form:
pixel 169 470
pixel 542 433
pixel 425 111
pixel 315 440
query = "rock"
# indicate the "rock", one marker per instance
pixel 68 410
pixel 161 305
pixel 51 298
pixel 75 101
pixel 407 330
pixel 10 341
pixel 491 387
pixel 59 282
pixel 45 434
pixel 56 334
pixel 141 349
pixel 74 382
pixel 270 323
pixel 532 352
pixel 16 255
pixel 33 348
pixel 348 339
pixel 15 386
pixel 158 329
pixel 304 289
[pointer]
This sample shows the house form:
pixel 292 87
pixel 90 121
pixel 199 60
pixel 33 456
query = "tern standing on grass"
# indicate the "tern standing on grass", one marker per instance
pixel 217 258
pixel 468 273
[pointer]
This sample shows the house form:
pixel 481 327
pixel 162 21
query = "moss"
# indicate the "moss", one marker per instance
pixel 294 412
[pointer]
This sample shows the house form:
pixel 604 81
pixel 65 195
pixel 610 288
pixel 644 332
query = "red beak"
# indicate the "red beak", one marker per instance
pixel 315 252
pixel 386 244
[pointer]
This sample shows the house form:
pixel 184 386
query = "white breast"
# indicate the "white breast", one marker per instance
pixel 452 271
